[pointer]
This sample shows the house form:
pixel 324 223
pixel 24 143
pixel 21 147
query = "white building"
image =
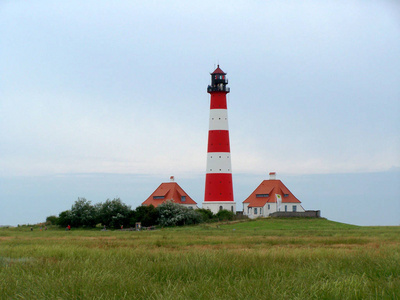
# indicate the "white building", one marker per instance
pixel 269 197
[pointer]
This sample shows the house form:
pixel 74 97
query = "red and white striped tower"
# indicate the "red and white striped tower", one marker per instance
pixel 219 187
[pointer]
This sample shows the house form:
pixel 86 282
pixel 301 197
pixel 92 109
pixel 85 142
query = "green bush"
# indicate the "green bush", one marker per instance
pixel 52 220
pixel 173 214
pixel 206 214
pixel 113 213
pixel 147 215
pixel 225 215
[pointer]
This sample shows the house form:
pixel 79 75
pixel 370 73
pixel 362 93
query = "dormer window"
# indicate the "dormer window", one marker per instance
pixel 262 195
pixel 158 197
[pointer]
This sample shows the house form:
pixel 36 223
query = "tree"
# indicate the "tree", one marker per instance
pixel 173 214
pixel 83 214
pixel 64 218
pixel 114 213
pixel 147 215
pixel 52 220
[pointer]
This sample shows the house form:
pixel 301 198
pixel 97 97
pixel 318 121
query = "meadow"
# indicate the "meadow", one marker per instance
pixel 261 259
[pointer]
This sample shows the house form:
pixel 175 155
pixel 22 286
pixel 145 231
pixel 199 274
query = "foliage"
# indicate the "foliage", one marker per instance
pixel 65 218
pixel 113 213
pixel 82 214
pixel 52 220
pixel 206 214
pixel 173 214
pixel 225 215
pixel 147 215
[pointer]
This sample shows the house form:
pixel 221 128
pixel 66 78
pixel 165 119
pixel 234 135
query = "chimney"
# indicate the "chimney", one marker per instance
pixel 172 178
pixel 272 175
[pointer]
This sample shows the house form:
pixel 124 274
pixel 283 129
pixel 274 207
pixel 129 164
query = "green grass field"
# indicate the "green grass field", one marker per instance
pixel 263 259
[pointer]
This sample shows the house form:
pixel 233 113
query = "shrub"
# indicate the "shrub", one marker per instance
pixel 52 220
pixel 113 213
pixel 225 215
pixel 173 214
pixel 206 214
pixel 147 215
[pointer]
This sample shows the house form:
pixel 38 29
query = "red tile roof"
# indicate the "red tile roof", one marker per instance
pixel 218 71
pixel 168 191
pixel 270 187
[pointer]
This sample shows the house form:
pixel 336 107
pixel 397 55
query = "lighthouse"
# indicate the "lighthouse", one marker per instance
pixel 218 188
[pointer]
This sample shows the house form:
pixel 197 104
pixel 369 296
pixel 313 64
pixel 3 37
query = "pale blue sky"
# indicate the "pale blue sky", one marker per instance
pixel 119 87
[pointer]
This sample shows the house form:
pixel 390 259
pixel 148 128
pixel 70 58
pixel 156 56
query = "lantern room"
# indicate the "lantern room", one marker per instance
pixel 218 82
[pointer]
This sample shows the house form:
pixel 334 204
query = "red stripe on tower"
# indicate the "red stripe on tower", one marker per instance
pixel 219 188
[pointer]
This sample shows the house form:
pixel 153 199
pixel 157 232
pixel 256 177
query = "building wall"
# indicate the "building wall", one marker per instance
pixel 268 209
pixel 215 206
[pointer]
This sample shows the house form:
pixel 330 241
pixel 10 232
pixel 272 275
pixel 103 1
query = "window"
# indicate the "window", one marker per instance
pixel 255 210
pixel 183 198
pixel 285 195
pixel 285 207
pixel 269 206
pixel 190 207
pixel 294 208
pixel 262 195
pixel 158 197
pixel 261 211
pixel 232 208
pixel 220 208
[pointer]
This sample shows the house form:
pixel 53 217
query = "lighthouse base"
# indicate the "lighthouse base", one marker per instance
pixel 216 206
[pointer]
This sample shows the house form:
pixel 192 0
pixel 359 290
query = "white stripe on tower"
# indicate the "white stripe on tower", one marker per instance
pixel 218 119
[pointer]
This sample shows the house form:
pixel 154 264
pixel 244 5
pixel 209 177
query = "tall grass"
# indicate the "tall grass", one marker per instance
pixel 263 259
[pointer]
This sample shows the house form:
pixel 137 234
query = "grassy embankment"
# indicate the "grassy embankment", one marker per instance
pixel 263 259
